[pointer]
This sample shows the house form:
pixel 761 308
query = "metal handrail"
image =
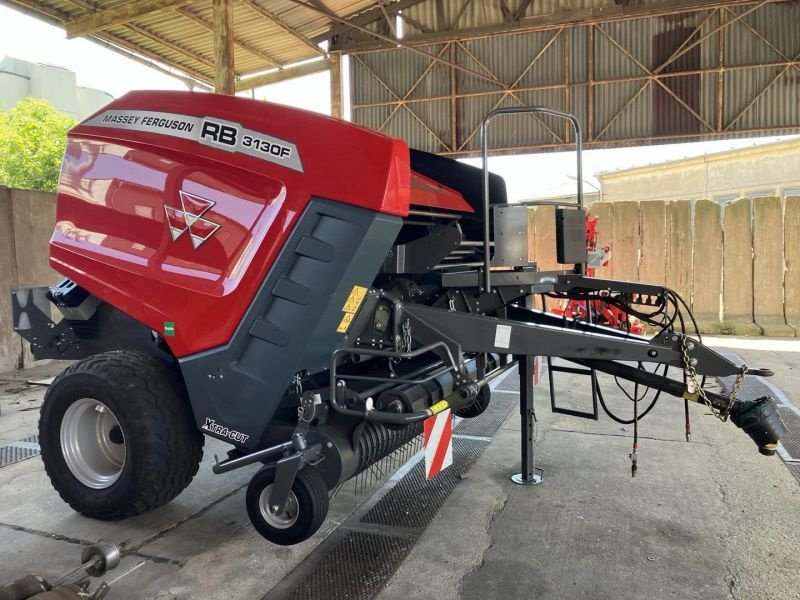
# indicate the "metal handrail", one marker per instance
pixel 536 203
pixel 576 127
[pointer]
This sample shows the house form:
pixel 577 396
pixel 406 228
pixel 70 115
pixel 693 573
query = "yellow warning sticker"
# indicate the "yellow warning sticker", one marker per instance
pixel 440 406
pixel 345 323
pixel 351 306
pixel 354 299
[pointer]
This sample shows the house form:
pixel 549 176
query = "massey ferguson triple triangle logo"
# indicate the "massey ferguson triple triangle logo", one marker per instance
pixel 191 219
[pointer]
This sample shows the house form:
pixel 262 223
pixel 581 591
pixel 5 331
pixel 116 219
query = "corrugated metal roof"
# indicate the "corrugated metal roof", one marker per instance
pixel 630 99
pixel 537 52
pixel 181 36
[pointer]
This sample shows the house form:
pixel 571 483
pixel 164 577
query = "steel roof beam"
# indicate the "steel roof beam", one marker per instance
pixel 195 79
pixel 388 18
pixel 282 74
pixel 199 58
pixel 395 43
pixel 270 60
pixel 276 20
pixel 363 17
pixel 553 21
pixel 119 45
pixel 121 15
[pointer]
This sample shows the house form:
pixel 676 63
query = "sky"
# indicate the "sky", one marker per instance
pixel 527 176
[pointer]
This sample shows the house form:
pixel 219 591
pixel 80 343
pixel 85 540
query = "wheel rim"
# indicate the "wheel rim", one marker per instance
pixel 92 443
pixel 281 520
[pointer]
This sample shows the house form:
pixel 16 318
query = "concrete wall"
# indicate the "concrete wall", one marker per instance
pixel 737 266
pixel 767 170
pixel 26 224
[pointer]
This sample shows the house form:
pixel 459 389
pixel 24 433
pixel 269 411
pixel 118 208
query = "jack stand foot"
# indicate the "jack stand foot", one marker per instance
pixel 535 479
pixel 530 475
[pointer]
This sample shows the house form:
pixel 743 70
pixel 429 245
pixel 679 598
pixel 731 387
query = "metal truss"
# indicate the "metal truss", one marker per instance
pixel 694 83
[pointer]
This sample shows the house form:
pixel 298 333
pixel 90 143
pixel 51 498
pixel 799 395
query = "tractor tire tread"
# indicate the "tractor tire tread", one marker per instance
pixel 174 446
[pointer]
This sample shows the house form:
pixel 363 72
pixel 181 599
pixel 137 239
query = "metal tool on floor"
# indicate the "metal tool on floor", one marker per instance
pixel 96 561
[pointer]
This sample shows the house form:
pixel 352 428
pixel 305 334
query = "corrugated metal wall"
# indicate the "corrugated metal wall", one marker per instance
pixel 743 78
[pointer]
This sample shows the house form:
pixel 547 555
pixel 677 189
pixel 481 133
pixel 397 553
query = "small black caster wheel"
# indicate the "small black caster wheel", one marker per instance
pixel 303 515
pixel 480 404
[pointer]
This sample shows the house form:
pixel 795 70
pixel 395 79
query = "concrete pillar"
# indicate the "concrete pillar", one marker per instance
pixel 791 246
pixel 737 275
pixel 337 108
pixel 224 72
pixel 768 267
pixel 707 280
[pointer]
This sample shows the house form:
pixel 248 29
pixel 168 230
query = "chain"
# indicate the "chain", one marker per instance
pixel 307 408
pixel 694 384
pixel 306 400
pixel 297 382
pixel 407 336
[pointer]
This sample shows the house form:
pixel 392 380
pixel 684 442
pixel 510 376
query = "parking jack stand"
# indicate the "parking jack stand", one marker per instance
pixel 530 474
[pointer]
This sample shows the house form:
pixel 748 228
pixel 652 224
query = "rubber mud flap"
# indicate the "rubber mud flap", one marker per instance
pixel 760 420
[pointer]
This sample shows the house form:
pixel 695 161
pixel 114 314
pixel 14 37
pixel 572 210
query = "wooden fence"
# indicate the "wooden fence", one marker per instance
pixel 738 266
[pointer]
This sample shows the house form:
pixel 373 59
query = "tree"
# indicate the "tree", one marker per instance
pixel 33 136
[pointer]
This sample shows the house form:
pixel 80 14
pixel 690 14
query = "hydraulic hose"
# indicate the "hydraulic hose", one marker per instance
pixel 758 418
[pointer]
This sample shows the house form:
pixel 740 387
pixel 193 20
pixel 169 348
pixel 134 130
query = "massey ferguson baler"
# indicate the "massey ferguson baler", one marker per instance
pixel 308 291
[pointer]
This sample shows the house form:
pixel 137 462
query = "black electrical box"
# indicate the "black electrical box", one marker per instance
pixel 571 236
pixel 68 294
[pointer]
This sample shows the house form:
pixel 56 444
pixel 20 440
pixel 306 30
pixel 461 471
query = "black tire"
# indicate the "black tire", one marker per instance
pixel 148 401
pixel 480 404
pixel 311 496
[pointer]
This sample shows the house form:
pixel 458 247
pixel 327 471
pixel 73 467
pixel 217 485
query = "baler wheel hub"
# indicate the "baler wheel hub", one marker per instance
pixel 280 519
pixel 92 443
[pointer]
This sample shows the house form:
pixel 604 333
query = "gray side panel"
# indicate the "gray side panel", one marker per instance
pixel 292 321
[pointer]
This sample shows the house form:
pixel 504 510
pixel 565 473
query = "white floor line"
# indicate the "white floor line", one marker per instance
pixel 787 458
pixel 749 343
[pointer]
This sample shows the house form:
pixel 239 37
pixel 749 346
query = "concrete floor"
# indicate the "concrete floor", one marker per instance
pixel 710 519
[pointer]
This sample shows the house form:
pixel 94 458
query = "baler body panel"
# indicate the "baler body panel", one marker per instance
pixel 298 317
pixel 180 233
pixel 429 192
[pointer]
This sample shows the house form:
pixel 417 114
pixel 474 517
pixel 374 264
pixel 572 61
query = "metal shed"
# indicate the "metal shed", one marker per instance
pixel 427 71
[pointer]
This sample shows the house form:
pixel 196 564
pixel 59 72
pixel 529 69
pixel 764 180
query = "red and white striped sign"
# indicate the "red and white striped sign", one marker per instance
pixel 438 443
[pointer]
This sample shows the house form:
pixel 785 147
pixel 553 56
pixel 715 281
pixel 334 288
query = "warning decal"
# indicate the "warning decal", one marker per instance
pixel 351 306
pixel 209 131
pixel 438 440
pixel 502 336
pixel 439 406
